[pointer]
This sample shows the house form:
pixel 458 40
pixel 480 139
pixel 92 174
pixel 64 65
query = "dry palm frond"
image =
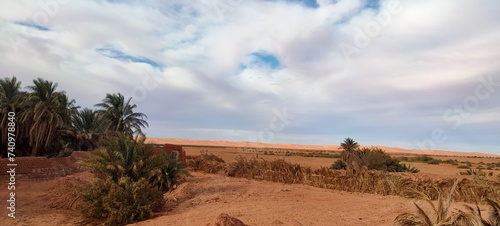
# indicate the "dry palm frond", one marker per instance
pixel 408 219
pixel 464 219
pixel 494 212
pixel 441 211
pixel 423 215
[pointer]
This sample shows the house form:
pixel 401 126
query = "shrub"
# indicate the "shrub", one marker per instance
pixel 424 159
pixel 377 159
pixel 337 165
pixel 409 168
pixel 463 167
pixel 473 172
pixel 434 162
pixel 121 203
pixel 450 161
pixel 168 172
pixel 129 181
pixel 207 162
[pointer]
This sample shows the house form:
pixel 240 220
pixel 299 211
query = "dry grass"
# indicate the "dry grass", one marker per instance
pixel 441 217
pixel 207 163
pixel 357 180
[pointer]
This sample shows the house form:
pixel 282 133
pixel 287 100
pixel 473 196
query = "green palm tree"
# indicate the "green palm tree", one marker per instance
pixel 47 112
pixel 11 99
pixel 86 129
pixel 349 148
pixel 124 157
pixel 121 116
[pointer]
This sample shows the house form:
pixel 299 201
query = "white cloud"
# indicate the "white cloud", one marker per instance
pixel 420 63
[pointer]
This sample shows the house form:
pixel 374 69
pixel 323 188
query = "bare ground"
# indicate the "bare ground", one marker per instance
pixel 204 197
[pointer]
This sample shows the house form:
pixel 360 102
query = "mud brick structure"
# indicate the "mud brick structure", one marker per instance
pixel 44 167
pixel 171 149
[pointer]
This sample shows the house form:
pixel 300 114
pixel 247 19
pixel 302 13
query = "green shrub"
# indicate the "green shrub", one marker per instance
pixel 168 172
pixel 450 161
pixel 409 168
pixel 121 203
pixel 434 161
pixel 473 172
pixel 129 181
pixel 337 165
pixel 377 159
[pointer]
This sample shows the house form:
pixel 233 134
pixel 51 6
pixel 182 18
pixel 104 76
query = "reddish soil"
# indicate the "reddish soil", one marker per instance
pixel 204 197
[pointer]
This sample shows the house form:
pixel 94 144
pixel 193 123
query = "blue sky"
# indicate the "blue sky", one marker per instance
pixel 411 74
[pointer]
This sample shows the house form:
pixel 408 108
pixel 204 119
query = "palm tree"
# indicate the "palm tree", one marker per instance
pixel 349 148
pixel 11 98
pixel 86 129
pixel 47 112
pixel 120 113
pixel 122 157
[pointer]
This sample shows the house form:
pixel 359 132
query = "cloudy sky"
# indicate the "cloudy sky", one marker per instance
pixel 413 74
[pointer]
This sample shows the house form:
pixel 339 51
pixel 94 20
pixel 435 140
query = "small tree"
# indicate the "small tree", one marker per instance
pixel 349 148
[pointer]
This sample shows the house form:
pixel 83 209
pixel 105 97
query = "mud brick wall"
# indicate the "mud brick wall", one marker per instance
pixel 169 148
pixel 44 167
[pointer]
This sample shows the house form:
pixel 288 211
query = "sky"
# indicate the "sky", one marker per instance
pixel 415 74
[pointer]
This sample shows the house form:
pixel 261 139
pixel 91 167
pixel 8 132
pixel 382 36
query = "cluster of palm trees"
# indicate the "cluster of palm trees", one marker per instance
pixel 48 121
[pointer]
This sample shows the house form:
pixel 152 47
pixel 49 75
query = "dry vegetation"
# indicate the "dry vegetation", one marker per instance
pixel 357 180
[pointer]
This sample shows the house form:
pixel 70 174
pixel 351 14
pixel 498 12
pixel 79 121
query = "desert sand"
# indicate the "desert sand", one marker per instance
pixel 203 197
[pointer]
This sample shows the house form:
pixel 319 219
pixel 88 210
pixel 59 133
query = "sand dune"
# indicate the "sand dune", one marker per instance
pixel 220 143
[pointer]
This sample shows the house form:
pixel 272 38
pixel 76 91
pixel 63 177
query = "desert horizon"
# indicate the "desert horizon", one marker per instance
pixel 392 150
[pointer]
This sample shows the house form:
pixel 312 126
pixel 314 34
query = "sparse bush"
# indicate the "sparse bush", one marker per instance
pixel 209 163
pixel 450 161
pixel 409 168
pixel 121 203
pixel 463 167
pixel 420 158
pixel 434 162
pixel 376 159
pixel 339 164
pixel 473 172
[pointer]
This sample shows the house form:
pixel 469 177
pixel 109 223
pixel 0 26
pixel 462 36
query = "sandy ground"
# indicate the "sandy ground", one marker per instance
pixel 203 197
